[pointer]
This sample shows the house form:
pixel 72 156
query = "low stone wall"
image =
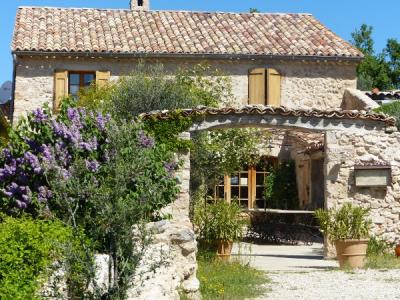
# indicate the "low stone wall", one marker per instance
pixel 169 263
pixel 168 266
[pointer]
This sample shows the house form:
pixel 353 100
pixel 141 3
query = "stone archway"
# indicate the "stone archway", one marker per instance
pixel 351 138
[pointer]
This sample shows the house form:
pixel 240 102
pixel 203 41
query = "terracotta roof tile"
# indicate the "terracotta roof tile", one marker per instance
pixel 155 32
pixel 281 110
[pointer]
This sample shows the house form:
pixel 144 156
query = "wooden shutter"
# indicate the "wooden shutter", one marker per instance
pixel 273 87
pixel 60 88
pixel 102 78
pixel 257 86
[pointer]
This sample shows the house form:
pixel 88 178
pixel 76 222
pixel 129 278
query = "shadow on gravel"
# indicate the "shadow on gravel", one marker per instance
pixel 284 256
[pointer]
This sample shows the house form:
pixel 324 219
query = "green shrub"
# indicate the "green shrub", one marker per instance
pixel 219 221
pixel 378 247
pixel 280 187
pixel 27 249
pixel 392 109
pixel 346 222
pixel 4 126
pixel 151 87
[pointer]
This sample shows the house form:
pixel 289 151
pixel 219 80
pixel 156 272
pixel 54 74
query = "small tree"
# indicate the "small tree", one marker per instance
pixel 151 87
pixel 254 10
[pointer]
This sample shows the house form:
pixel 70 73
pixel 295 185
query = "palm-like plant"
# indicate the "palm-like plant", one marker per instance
pixel 346 222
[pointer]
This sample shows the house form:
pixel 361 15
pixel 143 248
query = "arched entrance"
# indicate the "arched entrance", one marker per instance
pixel 351 138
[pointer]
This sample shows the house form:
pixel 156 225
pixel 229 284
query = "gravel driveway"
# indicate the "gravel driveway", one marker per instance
pixel 327 285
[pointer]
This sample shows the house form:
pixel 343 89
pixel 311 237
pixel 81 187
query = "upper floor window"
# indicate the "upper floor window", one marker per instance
pixel 264 86
pixel 78 81
pixel 69 83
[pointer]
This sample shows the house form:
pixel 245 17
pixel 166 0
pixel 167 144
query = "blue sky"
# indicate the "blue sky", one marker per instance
pixel 342 16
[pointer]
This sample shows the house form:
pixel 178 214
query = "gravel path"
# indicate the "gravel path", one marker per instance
pixel 329 285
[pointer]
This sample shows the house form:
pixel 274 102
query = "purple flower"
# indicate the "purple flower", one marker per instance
pixel 9 169
pixel 170 167
pixel 145 141
pixel 20 204
pixel 71 134
pixel 65 173
pixel 74 116
pixel 6 154
pixel 33 161
pixel 44 194
pixel 21 194
pixel 47 153
pixel 101 122
pixel 62 154
pixel 39 115
pixel 82 112
pixel 72 113
pixel 92 165
pixel 32 144
pixel 91 145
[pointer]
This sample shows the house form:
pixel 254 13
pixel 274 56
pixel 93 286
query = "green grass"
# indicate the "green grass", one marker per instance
pixel 386 261
pixel 228 280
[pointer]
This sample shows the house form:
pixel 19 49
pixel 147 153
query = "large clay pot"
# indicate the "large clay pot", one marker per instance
pixel 397 250
pixel 339 245
pixel 224 249
pixel 351 253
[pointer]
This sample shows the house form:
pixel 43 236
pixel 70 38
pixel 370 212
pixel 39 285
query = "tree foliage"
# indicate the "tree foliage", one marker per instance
pixel 152 87
pixel 377 70
pixel 280 187
pixel 391 109
pixel 253 10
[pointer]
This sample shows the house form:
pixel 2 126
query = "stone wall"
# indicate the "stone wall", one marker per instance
pixel 345 149
pixel 169 263
pixel 304 84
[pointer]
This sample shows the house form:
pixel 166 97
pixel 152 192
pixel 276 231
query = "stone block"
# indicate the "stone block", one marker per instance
pixel 183 236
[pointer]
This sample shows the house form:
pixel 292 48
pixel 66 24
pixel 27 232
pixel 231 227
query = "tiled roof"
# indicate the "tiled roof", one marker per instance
pixel 42 29
pixel 382 95
pixel 270 110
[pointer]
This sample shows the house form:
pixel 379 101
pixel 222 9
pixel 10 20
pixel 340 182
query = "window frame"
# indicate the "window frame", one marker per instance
pixel 252 172
pixel 81 79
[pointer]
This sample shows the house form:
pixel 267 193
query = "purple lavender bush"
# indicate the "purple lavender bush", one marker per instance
pixel 42 141
pixel 43 144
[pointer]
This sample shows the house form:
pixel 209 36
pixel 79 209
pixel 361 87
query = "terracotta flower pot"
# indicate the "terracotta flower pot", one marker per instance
pixel 397 250
pixel 224 249
pixel 351 253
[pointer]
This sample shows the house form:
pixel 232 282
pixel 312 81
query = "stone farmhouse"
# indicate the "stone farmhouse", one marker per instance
pixel 276 59
pixel 290 75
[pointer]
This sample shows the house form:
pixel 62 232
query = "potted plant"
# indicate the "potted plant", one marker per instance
pixel 219 225
pixel 348 227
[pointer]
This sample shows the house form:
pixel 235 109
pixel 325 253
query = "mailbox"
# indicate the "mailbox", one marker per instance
pixel 373 176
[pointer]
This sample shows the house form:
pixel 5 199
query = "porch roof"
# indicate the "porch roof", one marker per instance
pixel 355 115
